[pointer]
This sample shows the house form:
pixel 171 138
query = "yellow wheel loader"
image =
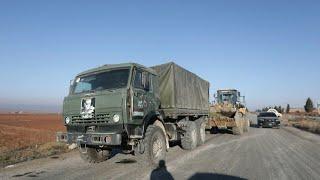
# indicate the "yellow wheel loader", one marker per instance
pixel 229 112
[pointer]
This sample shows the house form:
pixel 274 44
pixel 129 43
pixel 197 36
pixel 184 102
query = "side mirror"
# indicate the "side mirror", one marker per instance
pixel 71 85
pixel 71 82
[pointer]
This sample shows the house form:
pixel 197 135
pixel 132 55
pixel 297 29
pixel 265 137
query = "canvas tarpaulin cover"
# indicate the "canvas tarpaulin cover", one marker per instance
pixel 181 89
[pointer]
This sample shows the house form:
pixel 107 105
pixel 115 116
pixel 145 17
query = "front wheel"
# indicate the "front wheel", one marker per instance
pixel 155 146
pixel 239 124
pixel 94 155
pixel 246 126
pixel 237 130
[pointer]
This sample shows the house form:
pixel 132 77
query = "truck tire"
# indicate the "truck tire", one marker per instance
pixel 237 130
pixel 93 155
pixel 189 140
pixel 246 126
pixel 154 146
pixel 214 130
pixel 239 124
pixel 201 131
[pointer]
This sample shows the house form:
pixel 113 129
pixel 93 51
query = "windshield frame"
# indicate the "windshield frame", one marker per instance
pixel 72 87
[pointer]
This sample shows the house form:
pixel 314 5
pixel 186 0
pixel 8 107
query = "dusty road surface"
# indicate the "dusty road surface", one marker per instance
pixel 285 153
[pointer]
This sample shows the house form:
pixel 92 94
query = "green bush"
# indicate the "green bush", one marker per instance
pixel 309 106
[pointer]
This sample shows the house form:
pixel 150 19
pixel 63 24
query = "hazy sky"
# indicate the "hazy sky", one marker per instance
pixel 269 50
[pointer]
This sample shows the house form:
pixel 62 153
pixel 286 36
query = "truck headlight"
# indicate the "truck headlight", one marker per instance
pixel 116 118
pixel 67 120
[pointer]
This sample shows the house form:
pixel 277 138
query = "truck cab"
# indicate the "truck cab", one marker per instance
pixel 107 105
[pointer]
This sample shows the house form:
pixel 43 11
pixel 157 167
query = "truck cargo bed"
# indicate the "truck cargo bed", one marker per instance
pixel 181 91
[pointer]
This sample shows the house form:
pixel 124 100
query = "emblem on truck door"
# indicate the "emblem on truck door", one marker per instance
pixel 87 108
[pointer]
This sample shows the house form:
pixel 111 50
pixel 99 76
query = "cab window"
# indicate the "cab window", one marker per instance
pixel 138 80
pixel 141 80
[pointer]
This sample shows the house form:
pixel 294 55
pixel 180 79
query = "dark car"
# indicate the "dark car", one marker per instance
pixel 268 119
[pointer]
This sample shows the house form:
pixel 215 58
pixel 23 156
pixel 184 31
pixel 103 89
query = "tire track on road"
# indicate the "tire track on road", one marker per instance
pixel 174 165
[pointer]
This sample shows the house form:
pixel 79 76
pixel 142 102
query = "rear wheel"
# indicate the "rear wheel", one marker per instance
pixel 155 146
pixel 201 131
pixel 94 155
pixel 189 139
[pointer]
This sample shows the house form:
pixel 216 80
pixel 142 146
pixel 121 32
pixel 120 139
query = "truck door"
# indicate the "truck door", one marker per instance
pixel 142 95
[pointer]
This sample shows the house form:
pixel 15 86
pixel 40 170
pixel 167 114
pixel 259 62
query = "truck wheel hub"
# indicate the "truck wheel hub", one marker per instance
pixel 157 147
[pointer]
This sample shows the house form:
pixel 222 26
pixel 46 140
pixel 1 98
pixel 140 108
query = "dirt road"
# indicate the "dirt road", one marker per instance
pixel 285 153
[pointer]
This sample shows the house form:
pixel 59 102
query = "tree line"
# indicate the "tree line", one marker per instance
pixel 308 107
pixel 278 108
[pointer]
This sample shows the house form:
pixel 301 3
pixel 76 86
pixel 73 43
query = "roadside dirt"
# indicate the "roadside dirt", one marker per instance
pixel 23 136
pixel 22 130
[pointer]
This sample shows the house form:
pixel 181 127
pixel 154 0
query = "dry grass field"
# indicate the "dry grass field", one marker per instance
pixel 307 125
pixel 25 136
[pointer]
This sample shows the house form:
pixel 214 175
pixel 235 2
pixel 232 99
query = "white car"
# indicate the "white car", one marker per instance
pixel 275 112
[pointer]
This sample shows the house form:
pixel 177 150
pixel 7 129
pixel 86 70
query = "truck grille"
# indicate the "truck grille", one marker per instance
pixel 97 119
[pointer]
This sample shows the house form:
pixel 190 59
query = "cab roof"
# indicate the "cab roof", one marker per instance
pixel 226 90
pixel 116 66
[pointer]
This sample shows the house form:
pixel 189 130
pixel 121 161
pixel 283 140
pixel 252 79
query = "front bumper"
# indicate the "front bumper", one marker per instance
pixel 267 123
pixel 101 134
pixel 94 138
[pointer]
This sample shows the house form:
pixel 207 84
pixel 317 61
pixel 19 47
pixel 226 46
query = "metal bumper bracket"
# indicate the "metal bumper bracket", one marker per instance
pixel 80 141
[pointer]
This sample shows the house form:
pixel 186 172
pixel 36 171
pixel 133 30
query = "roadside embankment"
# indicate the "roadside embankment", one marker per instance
pixel 303 123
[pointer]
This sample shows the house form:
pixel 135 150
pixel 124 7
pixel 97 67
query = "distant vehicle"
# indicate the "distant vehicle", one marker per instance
pixel 229 112
pixel 276 112
pixel 268 119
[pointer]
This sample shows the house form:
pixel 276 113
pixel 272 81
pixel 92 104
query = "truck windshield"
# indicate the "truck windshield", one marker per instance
pixel 267 114
pixel 101 81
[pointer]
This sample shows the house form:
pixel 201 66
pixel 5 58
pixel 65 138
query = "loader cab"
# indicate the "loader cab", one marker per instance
pixel 227 96
pixel 230 96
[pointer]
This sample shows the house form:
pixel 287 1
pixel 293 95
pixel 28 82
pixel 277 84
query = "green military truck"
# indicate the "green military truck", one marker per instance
pixel 136 109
